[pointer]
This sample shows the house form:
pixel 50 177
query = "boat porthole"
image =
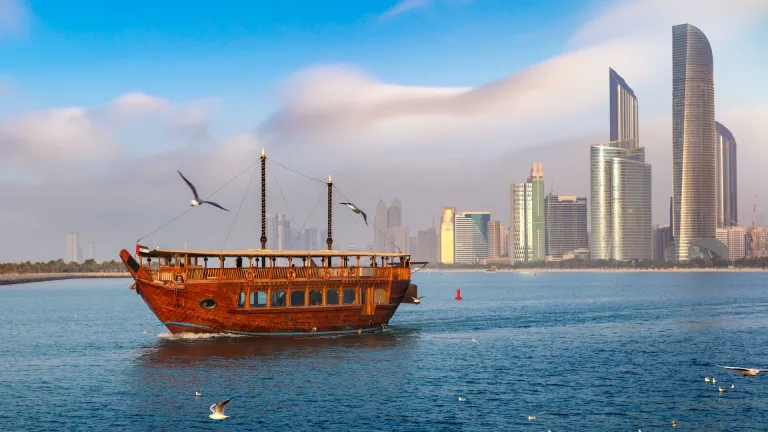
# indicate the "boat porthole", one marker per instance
pixel 208 303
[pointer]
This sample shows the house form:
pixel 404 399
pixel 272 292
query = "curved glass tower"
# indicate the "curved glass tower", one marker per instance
pixel 727 202
pixel 624 112
pixel 694 178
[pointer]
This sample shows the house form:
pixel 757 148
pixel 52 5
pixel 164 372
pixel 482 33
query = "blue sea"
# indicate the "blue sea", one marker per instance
pixel 580 351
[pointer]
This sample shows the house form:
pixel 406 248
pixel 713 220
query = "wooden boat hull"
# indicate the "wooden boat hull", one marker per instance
pixel 178 306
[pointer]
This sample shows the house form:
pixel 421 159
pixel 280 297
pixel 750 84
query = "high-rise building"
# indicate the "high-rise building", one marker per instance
pixel 727 197
pixel 413 247
pixel 757 245
pixel 620 184
pixel 380 227
pixel 91 252
pixel 426 245
pixel 494 239
pixel 528 224
pixel 283 232
pixel 566 217
pixel 447 245
pixel 271 220
pixel 735 238
pixel 623 110
pixel 505 242
pixel 471 234
pixel 433 244
pixel 694 178
pixel 72 247
pixel 398 239
pixel 395 214
pixel 662 240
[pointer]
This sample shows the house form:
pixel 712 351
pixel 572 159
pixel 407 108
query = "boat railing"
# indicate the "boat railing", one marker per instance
pixel 168 274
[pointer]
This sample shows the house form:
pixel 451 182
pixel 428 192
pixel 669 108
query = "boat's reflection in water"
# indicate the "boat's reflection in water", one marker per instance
pixel 193 350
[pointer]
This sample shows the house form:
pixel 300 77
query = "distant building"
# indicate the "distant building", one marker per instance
pixel 727 192
pixel 566 222
pixel 73 248
pixel 694 164
pixel 471 234
pixel 528 224
pixel 413 247
pixel 447 235
pixel 380 227
pixel 91 252
pixel 505 242
pixel 735 238
pixel 494 239
pixel 398 239
pixel 757 245
pixel 427 245
pixel 662 240
pixel 395 214
pixel 275 222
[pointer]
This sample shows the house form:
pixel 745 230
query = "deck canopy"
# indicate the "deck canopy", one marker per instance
pixel 167 253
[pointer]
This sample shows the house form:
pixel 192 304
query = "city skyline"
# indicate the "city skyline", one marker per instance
pixel 429 111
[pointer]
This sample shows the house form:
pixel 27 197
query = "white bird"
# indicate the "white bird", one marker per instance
pixel 531 418
pixel 144 331
pixel 475 341
pixel 218 410
pixel 707 379
pixel 417 300
pixel 197 393
pixel 197 201
pixel 720 389
pixel 745 371
pixel 357 211
pixel 714 381
pixel 75 315
pixel 733 386
pixel 462 399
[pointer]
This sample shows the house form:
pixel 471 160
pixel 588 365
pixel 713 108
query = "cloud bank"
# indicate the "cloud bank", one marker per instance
pixel 14 18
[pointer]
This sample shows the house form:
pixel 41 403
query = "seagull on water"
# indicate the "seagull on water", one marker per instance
pixel 218 410
pixel 357 211
pixel 674 424
pixel 198 393
pixel 144 332
pixel 417 300
pixel 531 418
pixel 733 386
pixel 707 379
pixel 462 399
pixel 475 341
pixel 745 371
pixel 720 389
pixel 197 201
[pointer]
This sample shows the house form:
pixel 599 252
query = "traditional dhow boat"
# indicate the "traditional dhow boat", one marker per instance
pixel 269 292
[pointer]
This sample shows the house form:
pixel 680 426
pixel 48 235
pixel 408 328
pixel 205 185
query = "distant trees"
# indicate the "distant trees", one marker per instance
pixel 59 266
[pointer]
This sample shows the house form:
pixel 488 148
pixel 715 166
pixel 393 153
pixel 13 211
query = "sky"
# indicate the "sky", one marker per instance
pixel 436 102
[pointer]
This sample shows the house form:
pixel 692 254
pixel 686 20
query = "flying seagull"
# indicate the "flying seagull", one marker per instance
pixel 417 300
pixel 197 201
pixel 357 210
pixel 745 371
pixel 475 341
pixel 218 410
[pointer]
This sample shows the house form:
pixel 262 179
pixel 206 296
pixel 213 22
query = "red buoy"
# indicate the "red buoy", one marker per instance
pixel 458 294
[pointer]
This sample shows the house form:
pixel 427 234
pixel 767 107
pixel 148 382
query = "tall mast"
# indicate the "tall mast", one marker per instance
pixel 263 200
pixel 329 240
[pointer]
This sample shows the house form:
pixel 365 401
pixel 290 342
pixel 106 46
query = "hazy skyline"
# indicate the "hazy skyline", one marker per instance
pixel 440 103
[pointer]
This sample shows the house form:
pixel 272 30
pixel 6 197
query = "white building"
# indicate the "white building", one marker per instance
pixel 73 248
pixel 471 237
pixel 735 238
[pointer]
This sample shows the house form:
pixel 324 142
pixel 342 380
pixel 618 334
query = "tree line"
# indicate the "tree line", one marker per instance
pixel 59 266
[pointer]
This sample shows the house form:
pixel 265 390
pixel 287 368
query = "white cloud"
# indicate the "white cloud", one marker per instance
pixel 404 6
pixel 13 17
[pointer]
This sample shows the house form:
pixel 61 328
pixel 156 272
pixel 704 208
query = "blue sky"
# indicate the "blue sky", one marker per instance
pixel 86 53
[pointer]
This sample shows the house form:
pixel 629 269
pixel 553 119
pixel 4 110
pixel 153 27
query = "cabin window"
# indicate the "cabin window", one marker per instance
pixel 349 296
pixel 297 298
pixel 208 303
pixel 241 300
pixel 332 297
pixel 315 298
pixel 258 299
pixel 380 296
pixel 278 298
pixel 363 295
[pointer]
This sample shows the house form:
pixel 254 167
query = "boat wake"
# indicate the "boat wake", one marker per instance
pixel 195 336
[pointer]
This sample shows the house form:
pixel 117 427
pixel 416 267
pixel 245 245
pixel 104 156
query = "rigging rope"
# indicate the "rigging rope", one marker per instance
pixel 190 209
pixel 238 209
pixel 373 225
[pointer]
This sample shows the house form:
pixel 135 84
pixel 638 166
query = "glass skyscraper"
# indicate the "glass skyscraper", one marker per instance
pixel 620 184
pixel 566 224
pixel 727 198
pixel 528 224
pixel 694 178
pixel 471 237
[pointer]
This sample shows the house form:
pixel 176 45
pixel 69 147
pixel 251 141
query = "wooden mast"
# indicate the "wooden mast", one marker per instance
pixel 329 240
pixel 263 200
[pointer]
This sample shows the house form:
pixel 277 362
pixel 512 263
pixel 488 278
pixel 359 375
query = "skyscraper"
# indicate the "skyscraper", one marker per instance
pixel 727 198
pixel 471 234
pixel 662 239
pixel 395 214
pixel 623 110
pixel 566 217
pixel 447 235
pixel 694 179
pixel 380 227
pixel 72 247
pixel 528 224
pixel 620 184
pixel 494 239
pixel 272 230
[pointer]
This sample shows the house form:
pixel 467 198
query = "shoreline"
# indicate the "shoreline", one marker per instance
pixel 619 270
pixel 46 277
